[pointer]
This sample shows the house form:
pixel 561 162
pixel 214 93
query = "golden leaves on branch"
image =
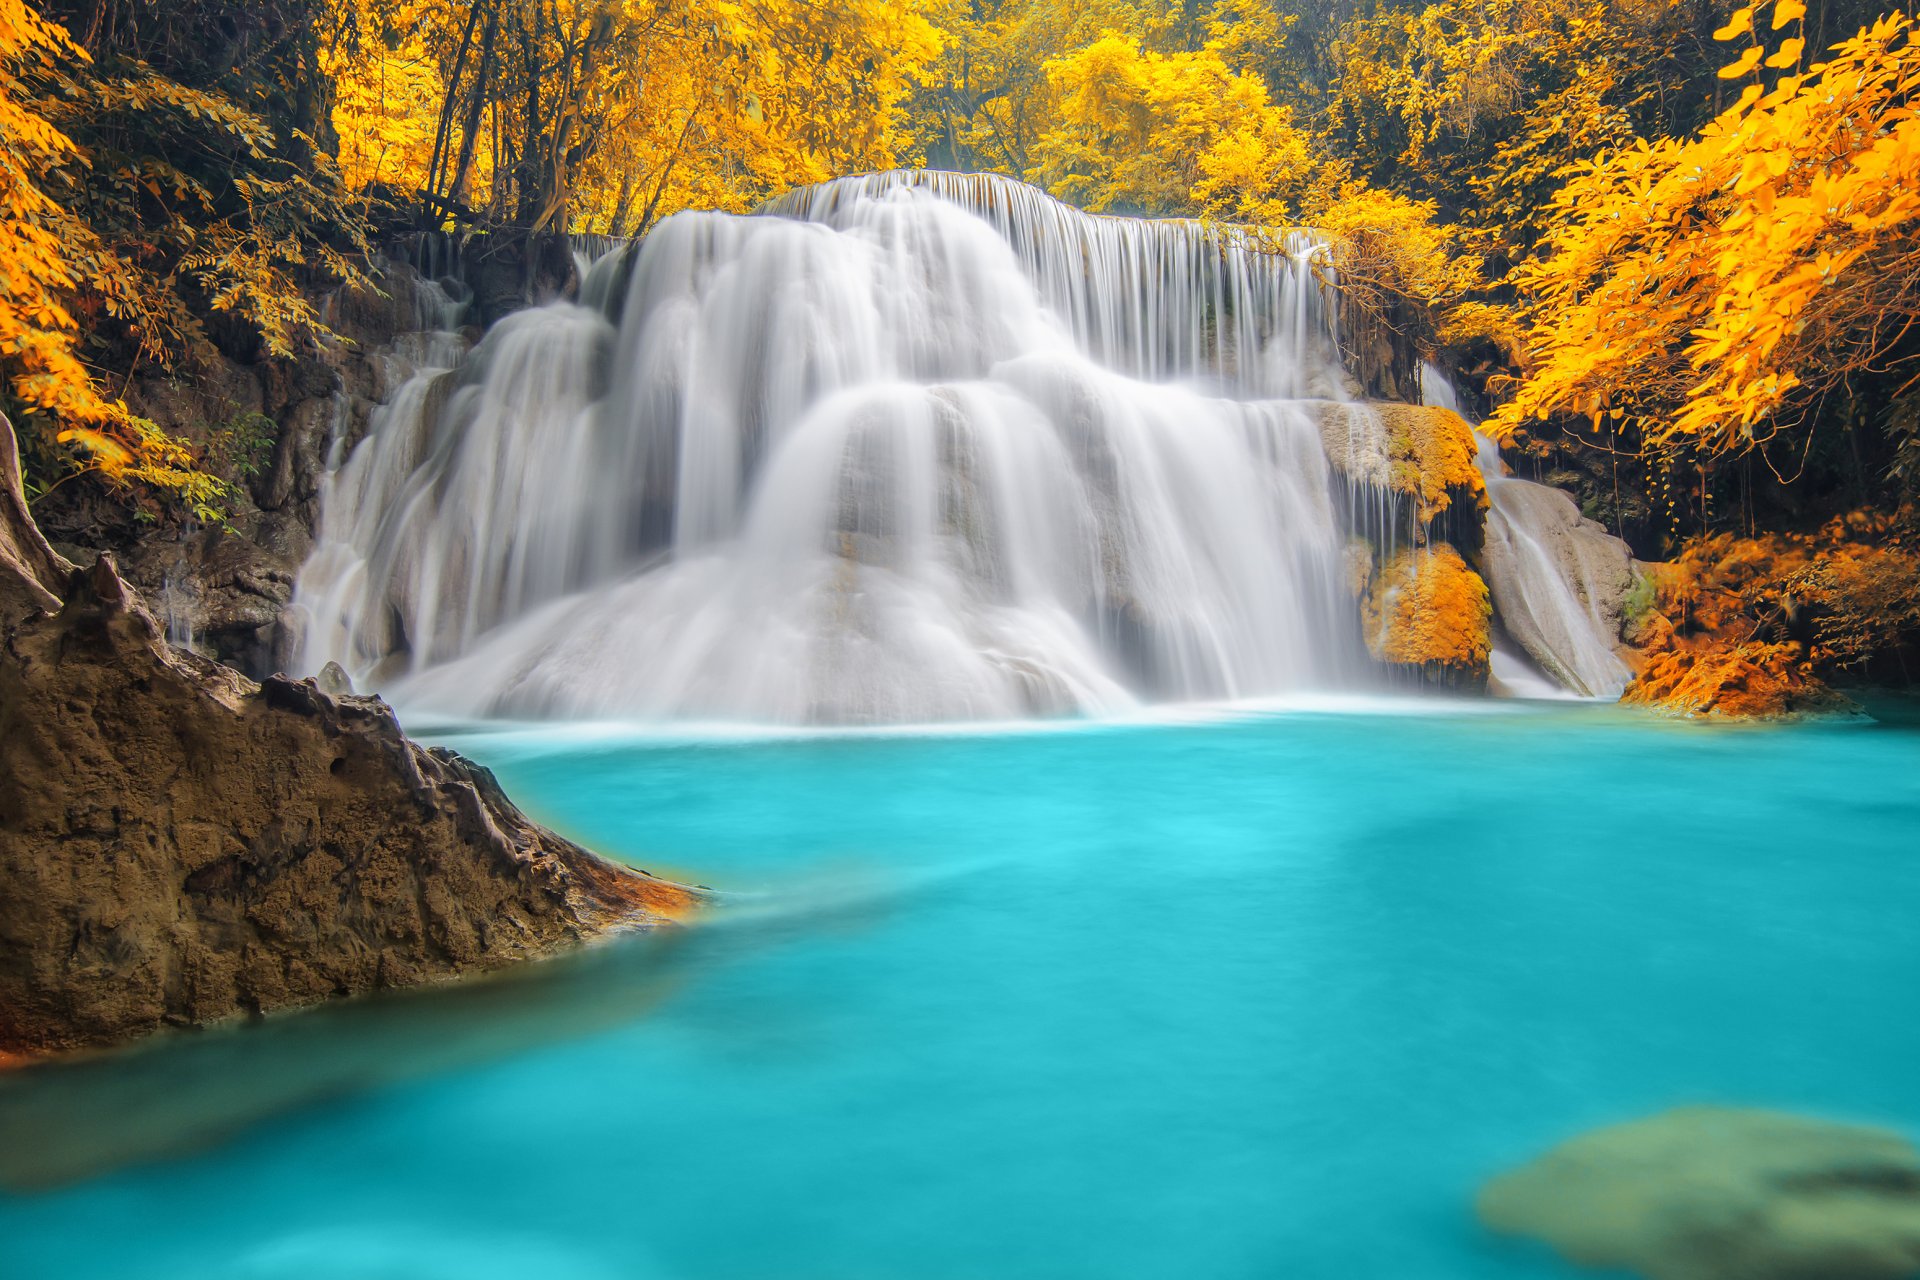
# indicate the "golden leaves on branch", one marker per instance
pixel 1710 289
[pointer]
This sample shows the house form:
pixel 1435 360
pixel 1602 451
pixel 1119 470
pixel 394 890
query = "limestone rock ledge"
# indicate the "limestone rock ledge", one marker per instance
pixel 179 844
pixel 1412 464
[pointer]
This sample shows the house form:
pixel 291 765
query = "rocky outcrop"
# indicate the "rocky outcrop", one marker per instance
pixel 1427 614
pixel 179 844
pixel 266 427
pixel 1416 504
pixel 1409 469
pixel 1711 1193
pixel 1560 583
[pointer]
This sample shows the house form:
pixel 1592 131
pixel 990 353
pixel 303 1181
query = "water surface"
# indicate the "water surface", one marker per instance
pixel 1262 995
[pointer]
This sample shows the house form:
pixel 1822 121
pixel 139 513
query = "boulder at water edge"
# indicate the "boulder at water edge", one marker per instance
pixel 1710 1193
pixel 179 844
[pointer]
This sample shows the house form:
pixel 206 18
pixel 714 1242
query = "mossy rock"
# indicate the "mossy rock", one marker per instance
pixel 1717 1193
pixel 1427 612
pixel 1420 457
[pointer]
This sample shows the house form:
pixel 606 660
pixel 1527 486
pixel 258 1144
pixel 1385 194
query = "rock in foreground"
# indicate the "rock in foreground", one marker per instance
pixel 179 844
pixel 1710 1193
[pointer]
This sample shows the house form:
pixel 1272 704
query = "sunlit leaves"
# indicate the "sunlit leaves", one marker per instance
pixel 1743 65
pixel 135 205
pixel 1709 289
pixel 1739 24
pixel 632 109
pixel 1140 131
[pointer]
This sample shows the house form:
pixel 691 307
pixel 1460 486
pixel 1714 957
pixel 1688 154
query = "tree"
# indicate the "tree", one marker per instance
pixel 606 115
pixel 1146 132
pixel 1710 291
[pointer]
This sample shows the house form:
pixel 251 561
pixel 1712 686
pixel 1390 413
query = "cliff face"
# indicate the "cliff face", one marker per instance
pixel 179 844
pixel 266 427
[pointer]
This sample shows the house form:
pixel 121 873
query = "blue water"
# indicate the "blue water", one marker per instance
pixel 1264 996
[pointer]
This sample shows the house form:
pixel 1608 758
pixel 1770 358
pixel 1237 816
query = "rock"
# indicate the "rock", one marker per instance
pixel 1415 461
pixel 1570 618
pixel 1710 1193
pixel 1426 612
pixel 300 453
pixel 1414 506
pixel 179 844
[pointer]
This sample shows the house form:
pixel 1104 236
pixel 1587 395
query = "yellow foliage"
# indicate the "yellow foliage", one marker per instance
pixel 1427 609
pixel 387 98
pixel 38 244
pixel 1482 102
pixel 37 331
pixel 102 239
pixel 1709 289
pixel 1386 245
pixel 1172 133
pixel 642 107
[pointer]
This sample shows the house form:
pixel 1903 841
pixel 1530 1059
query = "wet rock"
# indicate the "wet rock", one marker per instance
pixel 1585 560
pixel 1410 469
pixel 1710 1193
pixel 179 844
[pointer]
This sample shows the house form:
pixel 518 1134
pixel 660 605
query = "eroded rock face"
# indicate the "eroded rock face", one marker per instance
pixel 1415 504
pixel 1563 597
pixel 1711 1193
pixel 179 844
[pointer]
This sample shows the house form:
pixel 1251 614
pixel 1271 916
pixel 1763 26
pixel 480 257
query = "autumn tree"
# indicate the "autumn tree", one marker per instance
pixel 152 217
pixel 1713 293
pixel 1145 132
pixel 606 115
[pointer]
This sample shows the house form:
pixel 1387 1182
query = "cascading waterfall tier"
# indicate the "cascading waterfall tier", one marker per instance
pixel 1557 579
pixel 904 447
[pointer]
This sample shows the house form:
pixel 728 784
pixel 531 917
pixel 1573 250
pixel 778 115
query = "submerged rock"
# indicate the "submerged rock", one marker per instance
pixel 179 844
pixel 1710 1193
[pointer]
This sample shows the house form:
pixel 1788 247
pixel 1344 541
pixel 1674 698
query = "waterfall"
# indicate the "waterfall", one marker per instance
pixel 1556 578
pixel 902 447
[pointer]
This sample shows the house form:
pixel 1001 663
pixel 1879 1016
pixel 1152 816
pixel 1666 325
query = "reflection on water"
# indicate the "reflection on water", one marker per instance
pixel 174 1095
pixel 1264 997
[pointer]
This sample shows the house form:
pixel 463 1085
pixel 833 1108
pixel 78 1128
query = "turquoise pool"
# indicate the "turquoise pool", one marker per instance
pixel 1248 995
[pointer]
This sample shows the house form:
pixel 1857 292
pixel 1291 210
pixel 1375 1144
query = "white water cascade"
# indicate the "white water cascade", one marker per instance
pixel 1552 574
pixel 906 447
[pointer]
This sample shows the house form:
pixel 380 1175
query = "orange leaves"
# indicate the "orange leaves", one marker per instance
pixel 1743 65
pixel 37 331
pixel 1739 24
pixel 1714 285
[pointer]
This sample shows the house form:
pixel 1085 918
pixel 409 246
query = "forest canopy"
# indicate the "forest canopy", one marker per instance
pixel 1661 243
